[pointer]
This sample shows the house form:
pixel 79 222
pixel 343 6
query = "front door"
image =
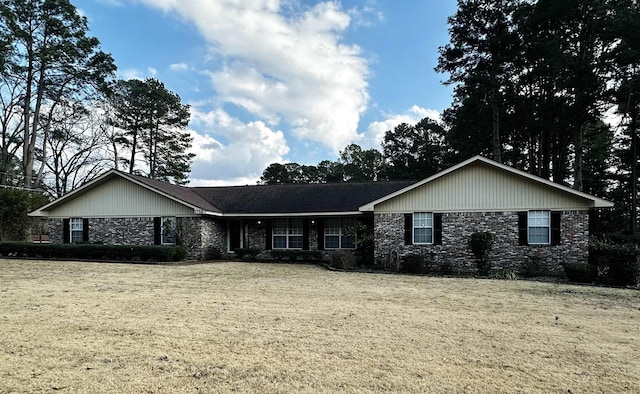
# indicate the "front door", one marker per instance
pixel 235 235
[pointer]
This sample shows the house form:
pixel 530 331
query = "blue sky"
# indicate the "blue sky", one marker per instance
pixel 281 80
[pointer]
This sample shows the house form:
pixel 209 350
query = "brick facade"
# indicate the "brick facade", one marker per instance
pixel 202 237
pixel 506 254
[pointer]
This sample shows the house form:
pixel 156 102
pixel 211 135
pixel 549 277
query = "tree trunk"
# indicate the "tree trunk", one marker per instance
pixel 497 148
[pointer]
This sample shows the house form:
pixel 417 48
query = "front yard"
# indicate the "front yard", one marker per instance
pixel 219 327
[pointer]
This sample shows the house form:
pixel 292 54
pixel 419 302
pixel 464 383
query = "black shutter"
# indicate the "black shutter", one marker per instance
pixel 85 230
pixel 320 233
pixel 437 229
pixel 408 229
pixel 305 234
pixel 66 236
pixel 157 231
pixel 268 241
pixel 555 228
pixel 522 228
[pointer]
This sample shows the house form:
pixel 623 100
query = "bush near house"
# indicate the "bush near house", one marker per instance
pixel 615 264
pixel 93 251
pixel 580 272
pixel 481 243
pixel 610 263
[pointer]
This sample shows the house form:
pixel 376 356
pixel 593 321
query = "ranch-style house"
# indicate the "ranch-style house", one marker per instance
pixel 531 217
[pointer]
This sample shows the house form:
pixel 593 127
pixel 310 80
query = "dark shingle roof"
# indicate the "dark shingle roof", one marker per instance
pixel 185 194
pixel 285 199
pixel 297 198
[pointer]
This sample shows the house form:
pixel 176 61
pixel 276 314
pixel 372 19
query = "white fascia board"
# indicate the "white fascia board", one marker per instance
pixel 296 214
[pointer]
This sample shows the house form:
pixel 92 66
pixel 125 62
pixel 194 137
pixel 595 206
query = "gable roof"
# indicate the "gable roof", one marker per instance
pixel 593 202
pixel 254 200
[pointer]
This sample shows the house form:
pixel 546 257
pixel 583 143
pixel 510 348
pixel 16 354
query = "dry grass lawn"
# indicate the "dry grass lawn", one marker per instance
pixel 220 327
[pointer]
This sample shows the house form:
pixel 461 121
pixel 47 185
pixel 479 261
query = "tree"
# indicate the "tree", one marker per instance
pixel 623 29
pixel 480 55
pixel 152 122
pixel 77 146
pixel 361 165
pixel 414 152
pixel 14 206
pixel 48 58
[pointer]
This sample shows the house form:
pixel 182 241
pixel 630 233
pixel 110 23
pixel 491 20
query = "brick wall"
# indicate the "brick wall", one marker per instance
pixel 200 236
pixel 507 253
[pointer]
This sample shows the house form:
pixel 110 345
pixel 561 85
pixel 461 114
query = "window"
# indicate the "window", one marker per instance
pixel 539 228
pixel 168 231
pixel 76 230
pixel 335 236
pixel 423 228
pixel 287 234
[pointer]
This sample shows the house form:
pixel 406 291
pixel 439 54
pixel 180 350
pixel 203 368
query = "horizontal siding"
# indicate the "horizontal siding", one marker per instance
pixel 480 187
pixel 119 197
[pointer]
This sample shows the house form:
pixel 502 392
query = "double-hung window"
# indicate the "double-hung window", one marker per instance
pixel 76 230
pixel 168 231
pixel 539 228
pixel 423 228
pixel 287 234
pixel 335 234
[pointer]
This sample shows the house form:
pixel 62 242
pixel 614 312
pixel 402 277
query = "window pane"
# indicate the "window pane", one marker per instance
pixel 75 223
pixel 422 219
pixel 348 243
pixel 76 236
pixel 538 235
pixel 332 242
pixel 422 236
pixel 538 218
pixel 295 227
pixel 295 242
pixel 279 242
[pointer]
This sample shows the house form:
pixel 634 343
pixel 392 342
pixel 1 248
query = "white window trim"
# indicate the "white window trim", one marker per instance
pixel 340 235
pixel 289 234
pixel 548 226
pixel 414 227
pixel 76 225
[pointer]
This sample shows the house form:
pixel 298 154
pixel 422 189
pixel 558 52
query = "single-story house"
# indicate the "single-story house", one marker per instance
pixel 531 217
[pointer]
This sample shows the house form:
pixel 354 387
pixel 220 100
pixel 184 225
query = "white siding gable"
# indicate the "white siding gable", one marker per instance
pixel 119 197
pixel 479 186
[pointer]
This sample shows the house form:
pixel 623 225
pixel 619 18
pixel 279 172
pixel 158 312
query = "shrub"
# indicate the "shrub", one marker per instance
pixel 342 259
pixel 413 264
pixel 281 255
pixel 580 272
pixel 481 244
pixel 93 251
pixel 533 266
pixel 446 268
pixel 251 252
pixel 617 264
pixel 506 274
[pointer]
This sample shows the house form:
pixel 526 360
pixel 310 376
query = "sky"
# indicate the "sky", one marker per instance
pixel 276 81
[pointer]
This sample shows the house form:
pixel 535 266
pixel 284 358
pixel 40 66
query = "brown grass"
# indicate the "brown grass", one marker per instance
pixel 220 327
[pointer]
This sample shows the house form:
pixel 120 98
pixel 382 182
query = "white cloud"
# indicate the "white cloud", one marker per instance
pixel 250 149
pixel 282 65
pixel 133 73
pixel 179 67
pixel 376 130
